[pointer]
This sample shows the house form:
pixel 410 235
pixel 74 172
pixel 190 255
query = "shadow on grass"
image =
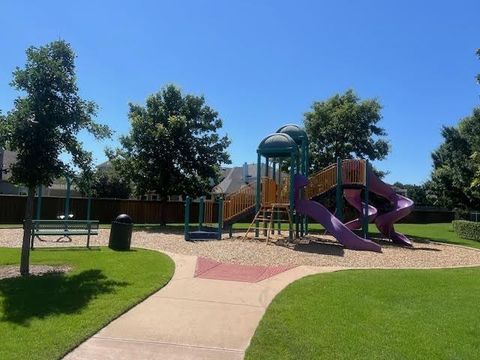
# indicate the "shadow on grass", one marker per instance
pixel 67 248
pixel 25 298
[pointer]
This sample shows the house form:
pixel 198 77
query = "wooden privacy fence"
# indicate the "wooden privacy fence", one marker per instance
pixel 12 209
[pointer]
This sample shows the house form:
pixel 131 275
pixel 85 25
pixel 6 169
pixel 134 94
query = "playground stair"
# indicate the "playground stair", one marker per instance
pixel 238 204
pixel 269 216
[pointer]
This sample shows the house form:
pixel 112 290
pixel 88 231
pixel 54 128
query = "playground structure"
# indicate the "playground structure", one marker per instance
pixel 294 199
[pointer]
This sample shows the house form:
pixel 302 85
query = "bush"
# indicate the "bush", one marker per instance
pixel 467 229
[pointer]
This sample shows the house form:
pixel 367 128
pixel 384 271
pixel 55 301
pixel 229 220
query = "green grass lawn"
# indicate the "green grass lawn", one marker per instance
pixel 374 314
pixel 440 232
pixel 43 317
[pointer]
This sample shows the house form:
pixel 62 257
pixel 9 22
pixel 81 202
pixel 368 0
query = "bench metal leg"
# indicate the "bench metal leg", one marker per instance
pixel 65 236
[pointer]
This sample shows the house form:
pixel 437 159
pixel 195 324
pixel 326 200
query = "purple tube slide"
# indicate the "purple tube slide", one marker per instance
pixel 402 206
pixel 354 198
pixel 334 226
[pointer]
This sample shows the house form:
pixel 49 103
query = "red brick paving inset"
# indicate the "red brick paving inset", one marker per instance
pixel 214 270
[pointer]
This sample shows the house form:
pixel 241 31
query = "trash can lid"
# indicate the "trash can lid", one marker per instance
pixel 124 219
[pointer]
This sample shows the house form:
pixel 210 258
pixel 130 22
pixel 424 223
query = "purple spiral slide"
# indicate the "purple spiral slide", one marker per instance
pixel 354 198
pixel 334 226
pixel 402 206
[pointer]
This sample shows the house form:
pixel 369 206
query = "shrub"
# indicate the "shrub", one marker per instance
pixel 467 229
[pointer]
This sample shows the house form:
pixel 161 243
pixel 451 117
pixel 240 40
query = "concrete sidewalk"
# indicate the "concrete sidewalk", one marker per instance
pixel 190 318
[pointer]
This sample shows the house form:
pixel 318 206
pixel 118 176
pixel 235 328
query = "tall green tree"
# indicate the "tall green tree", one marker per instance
pixel 44 125
pixel 345 126
pixel 453 167
pixel 173 147
pixel 455 181
pixel 417 193
pixel 108 183
pixel 476 154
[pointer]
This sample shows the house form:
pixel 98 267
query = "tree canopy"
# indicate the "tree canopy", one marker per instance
pixel 455 180
pixel 453 166
pixel 45 122
pixel 108 183
pixel 417 193
pixel 345 126
pixel 173 147
pixel 476 154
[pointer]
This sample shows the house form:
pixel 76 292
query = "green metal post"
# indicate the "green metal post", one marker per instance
pixel 297 217
pixel 306 174
pixel 201 212
pixel 339 190
pixel 274 165
pixel 274 172
pixel 365 210
pixel 187 218
pixel 279 223
pixel 39 203
pixel 292 195
pixel 257 195
pixel 67 198
pixel 267 168
pixel 220 218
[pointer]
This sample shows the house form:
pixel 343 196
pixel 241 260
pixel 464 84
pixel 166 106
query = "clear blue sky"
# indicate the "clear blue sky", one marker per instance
pixel 262 63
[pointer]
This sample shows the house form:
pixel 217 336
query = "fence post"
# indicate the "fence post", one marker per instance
pixel 201 212
pixel 187 218
pixel 365 211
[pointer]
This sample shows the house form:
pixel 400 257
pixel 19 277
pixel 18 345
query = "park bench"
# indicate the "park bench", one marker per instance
pixel 63 229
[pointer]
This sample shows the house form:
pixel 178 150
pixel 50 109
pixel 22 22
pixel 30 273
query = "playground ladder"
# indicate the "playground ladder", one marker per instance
pixel 268 216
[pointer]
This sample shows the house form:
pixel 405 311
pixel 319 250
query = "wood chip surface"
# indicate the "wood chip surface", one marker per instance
pixel 315 251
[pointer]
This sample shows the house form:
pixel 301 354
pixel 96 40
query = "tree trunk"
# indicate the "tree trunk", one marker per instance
pixel 27 226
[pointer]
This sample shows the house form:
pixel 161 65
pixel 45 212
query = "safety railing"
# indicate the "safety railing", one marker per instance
pixel 269 191
pixel 209 205
pixel 353 172
pixel 322 181
pixel 238 202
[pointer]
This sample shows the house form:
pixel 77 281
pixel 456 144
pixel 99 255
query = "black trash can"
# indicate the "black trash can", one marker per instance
pixel 121 233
